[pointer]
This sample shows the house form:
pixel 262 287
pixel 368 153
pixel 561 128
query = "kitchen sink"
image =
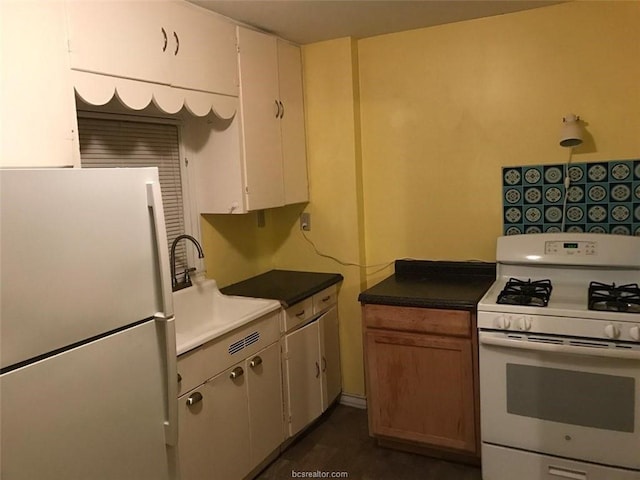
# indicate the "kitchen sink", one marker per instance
pixel 202 313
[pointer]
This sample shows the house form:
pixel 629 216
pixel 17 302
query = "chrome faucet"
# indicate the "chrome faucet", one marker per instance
pixel 175 284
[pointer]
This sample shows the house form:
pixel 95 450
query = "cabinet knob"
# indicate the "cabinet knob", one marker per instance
pixel 236 373
pixel 255 361
pixel 196 397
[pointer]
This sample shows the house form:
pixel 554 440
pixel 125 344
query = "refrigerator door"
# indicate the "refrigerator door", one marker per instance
pixel 92 412
pixel 80 257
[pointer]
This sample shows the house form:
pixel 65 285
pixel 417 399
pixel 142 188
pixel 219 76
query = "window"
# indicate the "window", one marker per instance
pixel 117 141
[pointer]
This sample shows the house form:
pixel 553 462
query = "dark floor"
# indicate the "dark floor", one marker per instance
pixel 340 442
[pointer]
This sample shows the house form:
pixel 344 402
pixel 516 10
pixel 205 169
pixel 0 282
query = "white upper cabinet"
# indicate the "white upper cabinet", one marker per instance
pixel 205 54
pixel 294 152
pixel 161 41
pixel 272 149
pixel 260 110
pixel 36 98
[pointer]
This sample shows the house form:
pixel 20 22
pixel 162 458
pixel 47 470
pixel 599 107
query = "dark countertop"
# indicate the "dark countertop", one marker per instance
pixel 288 286
pixel 422 283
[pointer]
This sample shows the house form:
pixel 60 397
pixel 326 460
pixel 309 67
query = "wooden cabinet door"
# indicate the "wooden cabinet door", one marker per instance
pixel 294 152
pixel 195 425
pixel 260 110
pixel 203 49
pixel 421 388
pixel 303 376
pixel 265 402
pixel 37 107
pixel 330 359
pixel 124 39
pixel 229 431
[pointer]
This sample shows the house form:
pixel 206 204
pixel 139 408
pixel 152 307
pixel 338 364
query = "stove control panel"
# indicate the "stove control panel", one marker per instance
pixel 569 248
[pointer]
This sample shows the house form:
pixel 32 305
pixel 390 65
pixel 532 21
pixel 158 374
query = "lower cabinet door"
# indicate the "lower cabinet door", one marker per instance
pixel 330 359
pixel 229 438
pixel 303 376
pixel 195 417
pixel 265 402
pixel 420 388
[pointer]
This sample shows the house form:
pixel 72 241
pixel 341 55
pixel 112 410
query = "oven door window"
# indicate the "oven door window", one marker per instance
pixel 571 397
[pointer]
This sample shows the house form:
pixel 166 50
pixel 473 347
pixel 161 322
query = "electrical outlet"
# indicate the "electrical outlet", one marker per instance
pixel 305 221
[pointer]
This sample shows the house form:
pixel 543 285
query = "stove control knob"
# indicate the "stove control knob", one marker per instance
pixel 525 323
pixel 635 332
pixel 503 322
pixel 611 331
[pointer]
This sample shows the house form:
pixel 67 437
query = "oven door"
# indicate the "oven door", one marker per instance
pixel 565 397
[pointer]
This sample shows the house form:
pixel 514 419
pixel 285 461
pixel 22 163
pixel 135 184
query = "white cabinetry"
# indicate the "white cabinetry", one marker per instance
pixel 268 138
pixel 38 125
pixel 311 359
pixel 230 418
pixel 166 42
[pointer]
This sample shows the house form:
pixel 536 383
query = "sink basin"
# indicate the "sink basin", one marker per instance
pixel 203 313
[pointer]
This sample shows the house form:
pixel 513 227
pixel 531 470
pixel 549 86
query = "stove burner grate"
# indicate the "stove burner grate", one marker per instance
pixel 526 292
pixel 623 298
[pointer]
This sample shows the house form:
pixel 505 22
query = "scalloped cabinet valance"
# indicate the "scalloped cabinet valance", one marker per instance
pixel 167 52
pixel 98 90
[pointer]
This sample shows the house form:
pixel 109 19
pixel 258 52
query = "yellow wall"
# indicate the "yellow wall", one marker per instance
pixel 407 134
pixel 334 191
pixel 444 108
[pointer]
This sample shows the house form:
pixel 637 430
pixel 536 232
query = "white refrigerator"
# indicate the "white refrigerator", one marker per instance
pixel 87 338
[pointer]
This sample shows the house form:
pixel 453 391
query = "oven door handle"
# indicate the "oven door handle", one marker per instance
pixel 486 339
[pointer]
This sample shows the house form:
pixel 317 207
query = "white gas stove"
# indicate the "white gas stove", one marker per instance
pixel 559 335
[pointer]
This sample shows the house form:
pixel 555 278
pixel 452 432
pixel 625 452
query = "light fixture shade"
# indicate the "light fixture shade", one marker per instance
pixel 571 134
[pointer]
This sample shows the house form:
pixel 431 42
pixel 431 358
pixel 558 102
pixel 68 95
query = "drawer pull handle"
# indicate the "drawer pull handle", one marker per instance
pixel 324 364
pixel 317 370
pixel 300 315
pixel 179 378
pixel 327 298
pixel 193 399
pixel 236 373
pixel 255 361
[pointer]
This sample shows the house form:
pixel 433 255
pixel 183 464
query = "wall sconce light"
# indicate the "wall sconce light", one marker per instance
pixel 571 135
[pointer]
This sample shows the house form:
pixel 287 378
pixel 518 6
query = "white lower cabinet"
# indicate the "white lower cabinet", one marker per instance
pixel 233 421
pixel 303 379
pixel 230 421
pixel 311 360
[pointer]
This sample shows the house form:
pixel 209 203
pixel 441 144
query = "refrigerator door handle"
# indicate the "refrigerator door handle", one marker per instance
pixel 165 319
pixel 168 327
pixel 154 200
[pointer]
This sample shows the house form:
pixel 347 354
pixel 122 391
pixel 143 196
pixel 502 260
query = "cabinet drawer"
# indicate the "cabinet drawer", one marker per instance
pixel 297 314
pixel 324 299
pixel 190 370
pixel 414 319
pixel 235 346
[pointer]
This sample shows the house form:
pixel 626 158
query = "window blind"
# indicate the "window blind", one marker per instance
pixel 122 143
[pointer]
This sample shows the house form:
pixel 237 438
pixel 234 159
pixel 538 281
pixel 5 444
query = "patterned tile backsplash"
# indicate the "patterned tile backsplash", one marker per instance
pixel 603 197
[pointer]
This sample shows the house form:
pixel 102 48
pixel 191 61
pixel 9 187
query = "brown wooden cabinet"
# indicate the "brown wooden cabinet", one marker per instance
pixel 421 372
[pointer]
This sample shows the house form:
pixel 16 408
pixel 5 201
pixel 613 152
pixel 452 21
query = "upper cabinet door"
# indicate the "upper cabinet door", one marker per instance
pixel 203 46
pixel 36 98
pixel 294 152
pixel 261 109
pixel 123 39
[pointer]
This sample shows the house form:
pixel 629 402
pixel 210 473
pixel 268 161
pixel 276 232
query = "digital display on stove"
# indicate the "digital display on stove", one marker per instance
pixel 570 245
